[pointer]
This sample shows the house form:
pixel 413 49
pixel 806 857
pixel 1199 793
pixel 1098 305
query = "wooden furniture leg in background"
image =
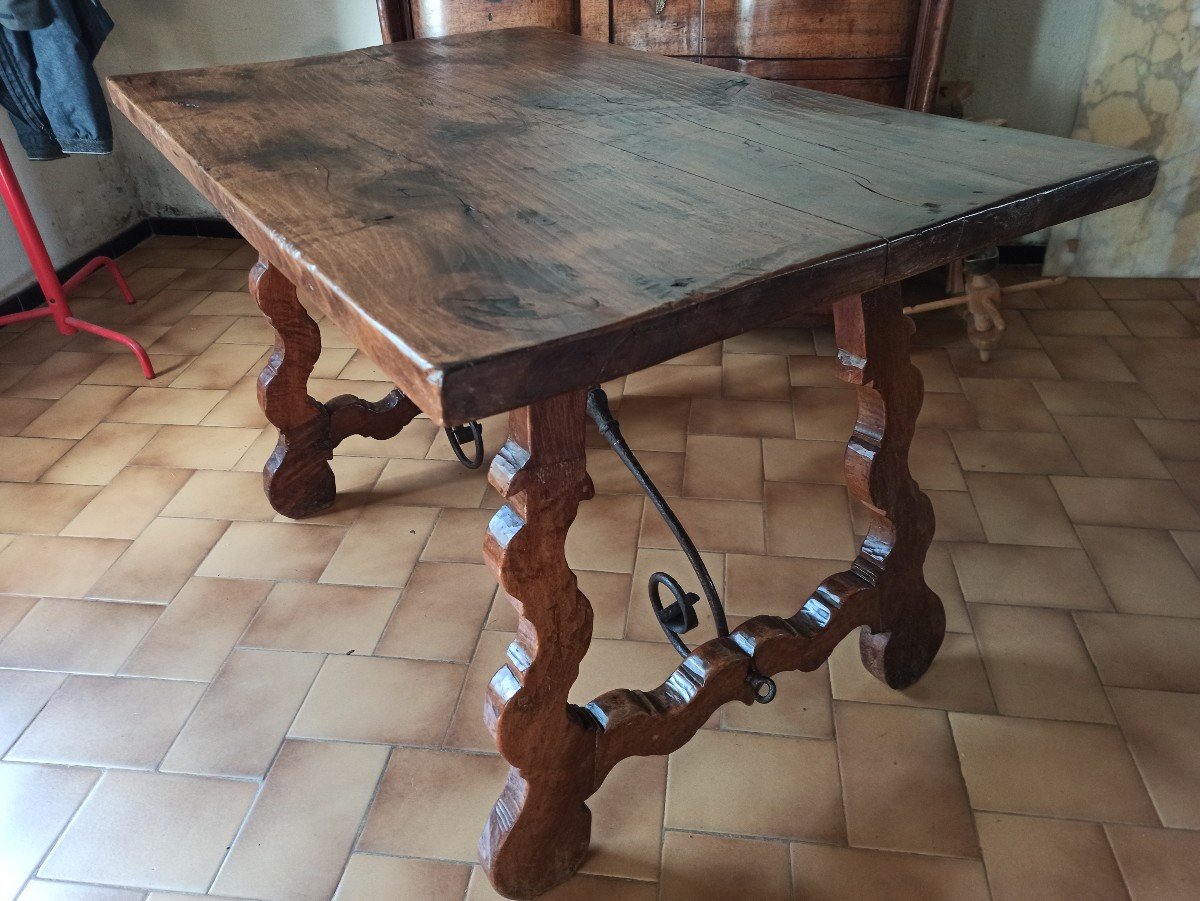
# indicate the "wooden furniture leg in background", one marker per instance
pixel 872 338
pixel 298 479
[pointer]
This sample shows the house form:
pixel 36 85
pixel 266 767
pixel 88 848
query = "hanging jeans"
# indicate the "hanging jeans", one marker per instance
pixel 47 83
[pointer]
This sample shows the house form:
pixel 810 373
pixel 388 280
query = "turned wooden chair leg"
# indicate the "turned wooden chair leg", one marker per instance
pixel 539 830
pixel 872 336
pixel 297 478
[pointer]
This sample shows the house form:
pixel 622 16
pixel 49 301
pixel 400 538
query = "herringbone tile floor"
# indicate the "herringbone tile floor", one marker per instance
pixel 198 696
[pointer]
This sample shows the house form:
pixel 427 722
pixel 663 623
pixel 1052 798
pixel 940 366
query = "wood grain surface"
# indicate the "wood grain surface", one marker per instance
pixel 503 216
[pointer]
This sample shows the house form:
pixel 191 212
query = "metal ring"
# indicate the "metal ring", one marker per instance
pixel 476 433
pixel 758 683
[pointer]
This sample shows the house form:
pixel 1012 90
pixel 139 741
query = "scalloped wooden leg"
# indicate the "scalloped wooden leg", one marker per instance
pixel 539 830
pixel 297 478
pixel 872 336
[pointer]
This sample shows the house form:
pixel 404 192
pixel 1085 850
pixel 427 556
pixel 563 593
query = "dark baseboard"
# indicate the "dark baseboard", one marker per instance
pixel 31 297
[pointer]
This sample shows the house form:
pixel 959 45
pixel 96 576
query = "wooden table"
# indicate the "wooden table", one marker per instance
pixel 501 220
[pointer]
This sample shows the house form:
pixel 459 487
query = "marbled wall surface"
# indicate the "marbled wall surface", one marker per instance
pixel 1142 91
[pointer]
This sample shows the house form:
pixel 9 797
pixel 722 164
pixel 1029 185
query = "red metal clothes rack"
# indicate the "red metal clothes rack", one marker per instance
pixel 56 291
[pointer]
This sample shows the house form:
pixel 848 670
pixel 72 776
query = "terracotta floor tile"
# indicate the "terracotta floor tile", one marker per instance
pixel 627 820
pixel 48 890
pixel 152 830
pixel 802 799
pixel 1028 576
pixel 1142 651
pixel 191 335
pixel 237 302
pixel 654 423
pixel 1022 509
pixel 40 509
pixel 369 877
pixel 433 483
pixel 792 460
pixel 803 708
pixel 77 636
pixel 1075 294
pixel 609 475
pixel 109 722
pixel 1008 405
pixel 209 280
pixel 196 447
pixel 954 513
pixel 947 410
pixel 755 376
pixel 380 699
pixel 335 619
pixel 25 459
pixel 778 340
pixel 772 585
pixel 675 381
pixel 604 536
pixel 236 728
pixel 807 521
pixel 1095 399
pixel 25 693
pixel 933 462
pixel 383 545
pixel 1160 727
pixel 221 495
pixel 1153 319
pixel 826 414
pixel 128 504
pixel 937 372
pixel 1072 760
pixel 700 867
pixel 238 408
pixel 12 610
pixel 955 681
pixel 1174 391
pixel 608 593
pixel 433 804
pixel 440 613
pixel 1038 453
pixel 271 550
pixel 1140 503
pixel 38 802
pixel 612 664
pixel 192 637
pixel 55 376
pixel 1098 323
pixel 167 406
pixel 1189 544
pixel 1172 439
pixel 1139 288
pixel 458 535
pixel 1037 664
pixel 580 888
pixel 467 730
pixel 1014 363
pixel 78 412
pixel 1111 447
pixel 98 458
pixel 900 781
pixel 1086 359
pixel 854 874
pixel 714 525
pixel 1143 570
pixel 720 466
pixel 355 477
pixel 755 418
pixel 159 561
pixel 815 372
pixel 1158 864
pixel 18 412
pixel 943 579
pixel 1034 859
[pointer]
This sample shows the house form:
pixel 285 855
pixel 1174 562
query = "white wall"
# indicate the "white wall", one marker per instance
pixel 1027 59
pixel 81 201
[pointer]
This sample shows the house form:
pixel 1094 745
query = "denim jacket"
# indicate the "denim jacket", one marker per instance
pixel 47 83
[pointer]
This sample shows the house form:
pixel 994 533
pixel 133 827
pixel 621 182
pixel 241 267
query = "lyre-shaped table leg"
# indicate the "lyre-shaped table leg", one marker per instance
pixel 873 336
pixel 297 478
pixel 539 830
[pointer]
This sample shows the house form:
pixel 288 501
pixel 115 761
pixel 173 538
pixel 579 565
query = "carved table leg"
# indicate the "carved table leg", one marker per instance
pixel 539 830
pixel 298 479
pixel 872 337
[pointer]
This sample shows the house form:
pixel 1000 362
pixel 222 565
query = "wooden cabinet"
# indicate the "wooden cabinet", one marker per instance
pixel 886 51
